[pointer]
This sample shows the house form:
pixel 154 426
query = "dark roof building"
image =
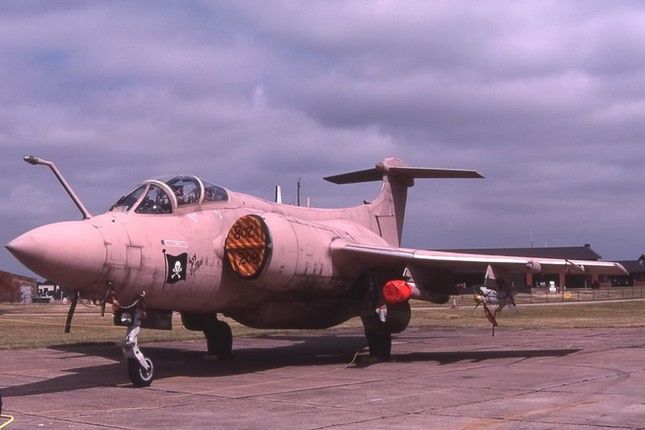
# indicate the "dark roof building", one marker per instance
pixel 635 266
pixel 636 277
pixel 12 287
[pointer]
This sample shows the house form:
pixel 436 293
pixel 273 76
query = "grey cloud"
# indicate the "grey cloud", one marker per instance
pixel 545 98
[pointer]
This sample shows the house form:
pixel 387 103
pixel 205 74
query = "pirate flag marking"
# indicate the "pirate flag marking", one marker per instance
pixel 176 267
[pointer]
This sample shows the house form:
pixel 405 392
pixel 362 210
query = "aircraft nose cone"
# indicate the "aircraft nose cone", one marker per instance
pixel 71 254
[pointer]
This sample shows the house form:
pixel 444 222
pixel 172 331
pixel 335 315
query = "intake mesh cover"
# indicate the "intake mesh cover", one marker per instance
pixel 248 246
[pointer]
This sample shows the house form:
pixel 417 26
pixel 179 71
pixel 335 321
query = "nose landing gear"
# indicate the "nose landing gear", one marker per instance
pixel 140 368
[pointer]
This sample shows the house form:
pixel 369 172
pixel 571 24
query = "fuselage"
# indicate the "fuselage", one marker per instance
pixel 178 257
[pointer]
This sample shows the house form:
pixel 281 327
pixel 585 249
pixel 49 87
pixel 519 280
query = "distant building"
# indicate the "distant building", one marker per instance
pixel 48 291
pixel 538 279
pixel 636 277
pixel 16 288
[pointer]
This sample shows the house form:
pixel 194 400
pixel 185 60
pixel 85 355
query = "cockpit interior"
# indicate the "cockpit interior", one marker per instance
pixel 164 196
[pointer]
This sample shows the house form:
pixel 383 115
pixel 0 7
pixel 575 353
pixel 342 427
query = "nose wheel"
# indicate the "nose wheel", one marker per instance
pixel 139 375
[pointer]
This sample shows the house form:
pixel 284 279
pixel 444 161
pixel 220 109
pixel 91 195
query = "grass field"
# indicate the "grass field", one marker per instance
pixel 30 326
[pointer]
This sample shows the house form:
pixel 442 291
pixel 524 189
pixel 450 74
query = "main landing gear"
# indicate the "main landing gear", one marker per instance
pixel 378 335
pixel 381 320
pixel 219 339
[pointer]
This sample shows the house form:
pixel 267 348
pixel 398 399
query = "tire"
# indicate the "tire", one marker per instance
pixel 138 375
pixel 379 343
pixel 219 340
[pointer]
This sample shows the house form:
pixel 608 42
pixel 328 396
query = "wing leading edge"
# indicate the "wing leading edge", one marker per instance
pixel 455 262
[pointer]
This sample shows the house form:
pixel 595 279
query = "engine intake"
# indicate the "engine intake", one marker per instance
pixel 281 253
pixel 248 246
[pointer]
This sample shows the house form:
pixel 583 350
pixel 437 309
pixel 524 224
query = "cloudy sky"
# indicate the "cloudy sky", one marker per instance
pixel 546 99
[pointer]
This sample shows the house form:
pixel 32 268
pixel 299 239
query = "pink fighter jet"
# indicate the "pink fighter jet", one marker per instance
pixel 187 245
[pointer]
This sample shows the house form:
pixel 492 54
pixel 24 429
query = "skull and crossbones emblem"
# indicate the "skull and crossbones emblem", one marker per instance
pixel 176 271
pixel 176 267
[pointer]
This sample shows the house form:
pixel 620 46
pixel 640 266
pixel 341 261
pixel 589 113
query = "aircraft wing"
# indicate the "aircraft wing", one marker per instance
pixel 371 255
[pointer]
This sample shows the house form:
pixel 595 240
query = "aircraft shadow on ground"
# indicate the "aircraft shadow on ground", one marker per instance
pixel 448 357
pixel 301 350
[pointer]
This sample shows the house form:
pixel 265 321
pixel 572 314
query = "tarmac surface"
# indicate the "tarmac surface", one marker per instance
pixel 438 378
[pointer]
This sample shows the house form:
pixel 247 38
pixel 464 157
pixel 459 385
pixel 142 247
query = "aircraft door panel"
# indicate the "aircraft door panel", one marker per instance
pixel 133 257
pixel 116 240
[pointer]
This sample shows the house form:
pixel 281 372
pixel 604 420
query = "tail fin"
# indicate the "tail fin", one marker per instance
pixel 389 207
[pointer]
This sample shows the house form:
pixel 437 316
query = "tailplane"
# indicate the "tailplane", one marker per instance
pixel 388 209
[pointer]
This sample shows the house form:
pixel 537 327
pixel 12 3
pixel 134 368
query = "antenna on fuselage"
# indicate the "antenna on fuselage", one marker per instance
pixel 278 194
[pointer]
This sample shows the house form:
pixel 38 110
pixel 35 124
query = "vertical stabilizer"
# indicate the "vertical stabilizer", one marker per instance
pixel 388 209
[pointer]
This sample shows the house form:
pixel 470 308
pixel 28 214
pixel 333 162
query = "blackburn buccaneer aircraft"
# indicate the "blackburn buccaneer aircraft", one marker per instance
pixel 187 245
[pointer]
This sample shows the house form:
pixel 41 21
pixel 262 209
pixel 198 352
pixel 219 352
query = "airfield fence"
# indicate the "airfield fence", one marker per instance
pixel 543 295
pixel 540 295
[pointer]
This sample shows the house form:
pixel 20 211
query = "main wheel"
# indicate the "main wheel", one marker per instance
pixel 139 376
pixel 379 343
pixel 219 340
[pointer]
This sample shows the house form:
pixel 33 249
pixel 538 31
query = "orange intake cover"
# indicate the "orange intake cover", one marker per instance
pixel 248 246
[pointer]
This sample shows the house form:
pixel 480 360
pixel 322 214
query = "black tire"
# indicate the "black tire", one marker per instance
pixel 138 375
pixel 219 340
pixel 379 343
pixel 398 317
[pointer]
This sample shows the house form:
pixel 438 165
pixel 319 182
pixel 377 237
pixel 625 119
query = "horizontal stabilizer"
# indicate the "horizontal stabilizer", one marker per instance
pixel 368 175
pixel 377 173
pixel 425 172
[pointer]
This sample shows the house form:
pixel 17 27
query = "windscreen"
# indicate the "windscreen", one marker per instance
pixel 156 201
pixel 125 203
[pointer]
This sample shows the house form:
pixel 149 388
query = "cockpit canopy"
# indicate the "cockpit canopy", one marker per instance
pixel 163 196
